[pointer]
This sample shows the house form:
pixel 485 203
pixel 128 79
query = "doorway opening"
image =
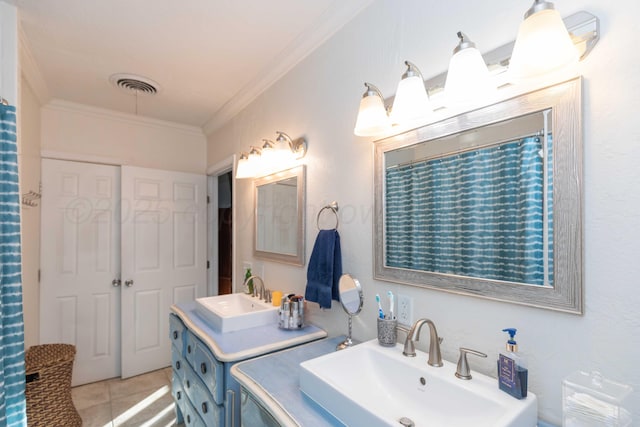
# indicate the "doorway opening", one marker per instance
pixel 221 233
pixel 225 233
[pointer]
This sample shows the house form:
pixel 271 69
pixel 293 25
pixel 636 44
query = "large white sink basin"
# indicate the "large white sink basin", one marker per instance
pixel 369 385
pixel 233 312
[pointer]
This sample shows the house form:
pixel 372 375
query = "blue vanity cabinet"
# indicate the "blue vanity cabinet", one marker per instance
pixel 204 391
pixel 176 333
pixel 253 413
pixel 197 382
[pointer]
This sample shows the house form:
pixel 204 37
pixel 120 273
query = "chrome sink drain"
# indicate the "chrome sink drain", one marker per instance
pixel 406 422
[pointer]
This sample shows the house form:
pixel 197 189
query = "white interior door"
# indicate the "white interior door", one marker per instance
pixel 163 259
pixel 80 257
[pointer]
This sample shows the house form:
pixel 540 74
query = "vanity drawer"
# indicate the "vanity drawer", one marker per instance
pixel 190 347
pixel 176 332
pixel 177 392
pixel 209 369
pixel 191 417
pixel 209 411
pixel 177 363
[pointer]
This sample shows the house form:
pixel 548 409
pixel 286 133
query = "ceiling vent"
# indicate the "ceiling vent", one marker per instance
pixel 135 84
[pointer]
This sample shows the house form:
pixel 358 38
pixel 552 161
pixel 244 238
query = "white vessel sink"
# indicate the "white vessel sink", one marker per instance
pixel 370 385
pixel 233 312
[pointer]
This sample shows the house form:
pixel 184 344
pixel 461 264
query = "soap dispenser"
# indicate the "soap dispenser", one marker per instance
pixel 248 284
pixel 512 369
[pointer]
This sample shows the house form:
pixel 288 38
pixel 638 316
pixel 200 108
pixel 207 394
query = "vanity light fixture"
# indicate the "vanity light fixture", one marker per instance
pixel 372 116
pixel 269 153
pixel 411 104
pixel 273 156
pixel 255 161
pixel 468 79
pixel 543 44
pixel 296 149
pixel 511 63
pixel 243 170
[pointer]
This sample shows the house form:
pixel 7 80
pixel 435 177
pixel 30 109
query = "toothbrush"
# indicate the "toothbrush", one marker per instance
pixel 380 312
pixel 391 316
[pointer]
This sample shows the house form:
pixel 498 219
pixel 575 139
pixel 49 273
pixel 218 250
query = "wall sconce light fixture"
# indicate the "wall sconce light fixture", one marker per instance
pixel 372 115
pixel 468 79
pixel 543 44
pixel 546 46
pixel 274 156
pixel 411 103
pixel 242 170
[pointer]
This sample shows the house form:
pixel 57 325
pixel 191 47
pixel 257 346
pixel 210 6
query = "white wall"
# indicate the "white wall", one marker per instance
pixel 79 132
pixel 29 141
pixel 319 99
pixel 72 130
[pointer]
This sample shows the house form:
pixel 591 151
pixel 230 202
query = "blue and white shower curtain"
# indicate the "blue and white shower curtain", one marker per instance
pixel 12 368
pixel 479 213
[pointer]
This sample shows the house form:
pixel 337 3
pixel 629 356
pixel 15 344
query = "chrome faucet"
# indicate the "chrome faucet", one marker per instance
pixel 435 358
pixel 256 292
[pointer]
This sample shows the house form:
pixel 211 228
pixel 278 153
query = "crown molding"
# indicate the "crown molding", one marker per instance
pixel 332 20
pixel 102 113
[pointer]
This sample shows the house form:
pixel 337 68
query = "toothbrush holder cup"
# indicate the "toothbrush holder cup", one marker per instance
pixel 387 332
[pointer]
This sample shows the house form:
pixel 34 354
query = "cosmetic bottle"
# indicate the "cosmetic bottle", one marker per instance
pixel 512 369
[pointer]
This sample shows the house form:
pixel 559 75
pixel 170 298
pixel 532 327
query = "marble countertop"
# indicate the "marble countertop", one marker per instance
pixel 247 343
pixel 274 381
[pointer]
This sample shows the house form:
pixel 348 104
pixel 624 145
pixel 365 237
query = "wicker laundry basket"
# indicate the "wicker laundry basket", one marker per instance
pixel 48 390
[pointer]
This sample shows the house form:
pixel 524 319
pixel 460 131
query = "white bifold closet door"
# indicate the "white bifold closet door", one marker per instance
pixel 119 245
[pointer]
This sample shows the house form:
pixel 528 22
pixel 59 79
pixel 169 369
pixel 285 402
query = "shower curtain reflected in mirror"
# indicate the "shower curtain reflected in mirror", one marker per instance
pixel 476 213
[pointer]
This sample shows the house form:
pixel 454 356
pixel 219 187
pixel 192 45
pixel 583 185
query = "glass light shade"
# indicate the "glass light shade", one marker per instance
pixel 243 169
pixel 468 79
pixel 411 104
pixel 282 157
pixel 543 46
pixel 255 163
pixel 372 117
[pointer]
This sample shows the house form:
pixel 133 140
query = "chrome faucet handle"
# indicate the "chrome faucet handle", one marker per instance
pixel 257 292
pixel 463 372
pixel 267 295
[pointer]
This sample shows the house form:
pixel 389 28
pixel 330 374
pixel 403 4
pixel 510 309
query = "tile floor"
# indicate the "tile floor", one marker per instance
pixel 139 401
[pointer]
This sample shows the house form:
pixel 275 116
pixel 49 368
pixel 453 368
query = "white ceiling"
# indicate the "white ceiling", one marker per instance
pixel 210 57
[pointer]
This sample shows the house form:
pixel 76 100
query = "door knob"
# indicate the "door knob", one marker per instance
pixel 116 283
pixel 128 283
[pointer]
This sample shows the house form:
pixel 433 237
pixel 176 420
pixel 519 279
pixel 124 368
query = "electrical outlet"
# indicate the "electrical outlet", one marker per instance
pixel 405 310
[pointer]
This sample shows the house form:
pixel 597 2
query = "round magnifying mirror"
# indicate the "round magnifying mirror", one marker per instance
pixel 351 299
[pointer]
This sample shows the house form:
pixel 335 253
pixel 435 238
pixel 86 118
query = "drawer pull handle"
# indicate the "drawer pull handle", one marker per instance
pixel 188 419
pixel 188 384
pixel 203 368
pixel 179 395
pixel 175 335
pixel 177 364
pixel 189 349
pixel 204 407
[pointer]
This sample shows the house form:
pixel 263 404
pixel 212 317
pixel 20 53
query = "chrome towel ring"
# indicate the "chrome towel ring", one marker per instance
pixel 334 208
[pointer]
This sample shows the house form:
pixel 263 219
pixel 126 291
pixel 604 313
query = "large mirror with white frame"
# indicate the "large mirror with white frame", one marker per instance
pixel 279 216
pixel 487 203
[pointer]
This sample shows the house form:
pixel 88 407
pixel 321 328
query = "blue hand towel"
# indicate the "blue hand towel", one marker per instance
pixel 325 269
